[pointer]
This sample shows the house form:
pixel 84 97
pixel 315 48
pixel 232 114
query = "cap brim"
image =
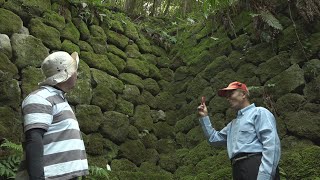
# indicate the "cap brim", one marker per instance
pixel 223 92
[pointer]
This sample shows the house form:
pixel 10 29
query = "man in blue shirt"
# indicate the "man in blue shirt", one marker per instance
pixel 252 140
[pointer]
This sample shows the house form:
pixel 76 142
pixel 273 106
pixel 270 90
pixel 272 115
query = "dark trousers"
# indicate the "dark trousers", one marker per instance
pixel 247 169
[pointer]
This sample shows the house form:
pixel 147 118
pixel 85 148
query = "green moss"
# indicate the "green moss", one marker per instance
pixel 130 93
pixel 5 45
pixel 289 103
pixel 310 128
pixel 81 92
pixel 53 19
pixel 150 58
pixel 132 51
pixel 71 32
pixel 82 27
pixel 196 86
pixel 11 23
pixel 163 130
pixel 183 171
pixel 117 61
pixel 311 91
pixel 104 97
pixel 133 79
pixel 154 72
pixel 273 66
pixel 123 165
pixel 311 69
pixel 259 53
pixel 97 31
pixel 116 26
pixel 168 162
pixel 217 65
pixel 194 136
pixel 241 43
pixel 138 67
pixel 113 49
pixel 165 101
pixel 166 146
pixel 149 140
pixel 158 51
pixel 286 82
pixel 10 94
pixel 166 74
pixel 236 59
pixel 124 107
pixel 49 35
pixel 131 31
pixel 133 150
pixel 142 118
pixel 84 71
pixel 10 122
pixel 7 66
pixel 151 85
pixel 148 99
pixel 301 164
pixel 133 133
pixel 31 76
pixel 186 124
pixel 100 62
pixel 89 118
pixel 116 39
pixel 142 176
pixel 98 44
pixel 289 37
pixel 84 46
pixel 111 82
pixel 95 144
pixel 144 45
pixel 115 126
pixel 69 47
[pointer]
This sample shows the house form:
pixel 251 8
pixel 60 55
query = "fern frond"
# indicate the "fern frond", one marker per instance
pixel 99 172
pixel 272 21
pixel 11 145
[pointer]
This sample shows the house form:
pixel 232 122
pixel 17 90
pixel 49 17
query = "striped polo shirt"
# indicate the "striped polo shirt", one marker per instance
pixel 64 153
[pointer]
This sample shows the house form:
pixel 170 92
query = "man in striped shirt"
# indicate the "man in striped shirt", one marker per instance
pixel 53 145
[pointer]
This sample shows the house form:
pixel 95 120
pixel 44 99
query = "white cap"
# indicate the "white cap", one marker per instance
pixel 58 67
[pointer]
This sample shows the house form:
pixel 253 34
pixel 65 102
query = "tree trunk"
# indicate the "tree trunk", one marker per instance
pixel 129 6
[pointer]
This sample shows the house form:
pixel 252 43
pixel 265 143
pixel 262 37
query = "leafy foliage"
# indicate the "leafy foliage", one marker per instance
pixel 271 20
pixel 98 173
pixel 9 165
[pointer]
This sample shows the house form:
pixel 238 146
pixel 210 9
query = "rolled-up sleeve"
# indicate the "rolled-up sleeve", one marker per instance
pixel 268 136
pixel 214 137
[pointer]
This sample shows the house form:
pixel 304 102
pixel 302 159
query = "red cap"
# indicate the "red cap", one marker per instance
pixel 233 86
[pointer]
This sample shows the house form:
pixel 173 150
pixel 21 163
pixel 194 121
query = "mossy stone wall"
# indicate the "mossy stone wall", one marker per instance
pixel 136 104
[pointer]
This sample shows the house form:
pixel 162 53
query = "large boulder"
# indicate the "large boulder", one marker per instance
pixel 7 66
pixel 5 45
pixel 273 67
pixel 124 107
pixel 289 103
pixel 10 93
pixel 82 27
pixel 137 66
pixel 111 82
pixel 142 118
pixel 119 40
pixel 130 93
pixel 132 79
pixel 303 123
pixel 151 85
pixel 81 93
pixel 104 97
pixel 54 19
pixel 69 47
pixel 89 117
pixel 288 81
pixel 10 22
pixel 311 69
pixel 71 32
pixel 100 62
pixel 28 50
pixel 10 124
pixel 98 44
pixel 312 90
pixel 133 150
pixel 115 126
pixel 259 53
pixel 48 35
pixel 31 76
pixel 118 62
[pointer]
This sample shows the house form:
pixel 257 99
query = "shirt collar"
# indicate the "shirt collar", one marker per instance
pixel 53 89
pixel 242 111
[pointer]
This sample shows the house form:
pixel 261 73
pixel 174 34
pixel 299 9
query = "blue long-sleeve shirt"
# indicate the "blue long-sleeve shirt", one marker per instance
pixel 254 130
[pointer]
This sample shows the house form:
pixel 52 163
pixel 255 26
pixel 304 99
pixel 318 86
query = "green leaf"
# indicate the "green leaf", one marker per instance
pixel 271 20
